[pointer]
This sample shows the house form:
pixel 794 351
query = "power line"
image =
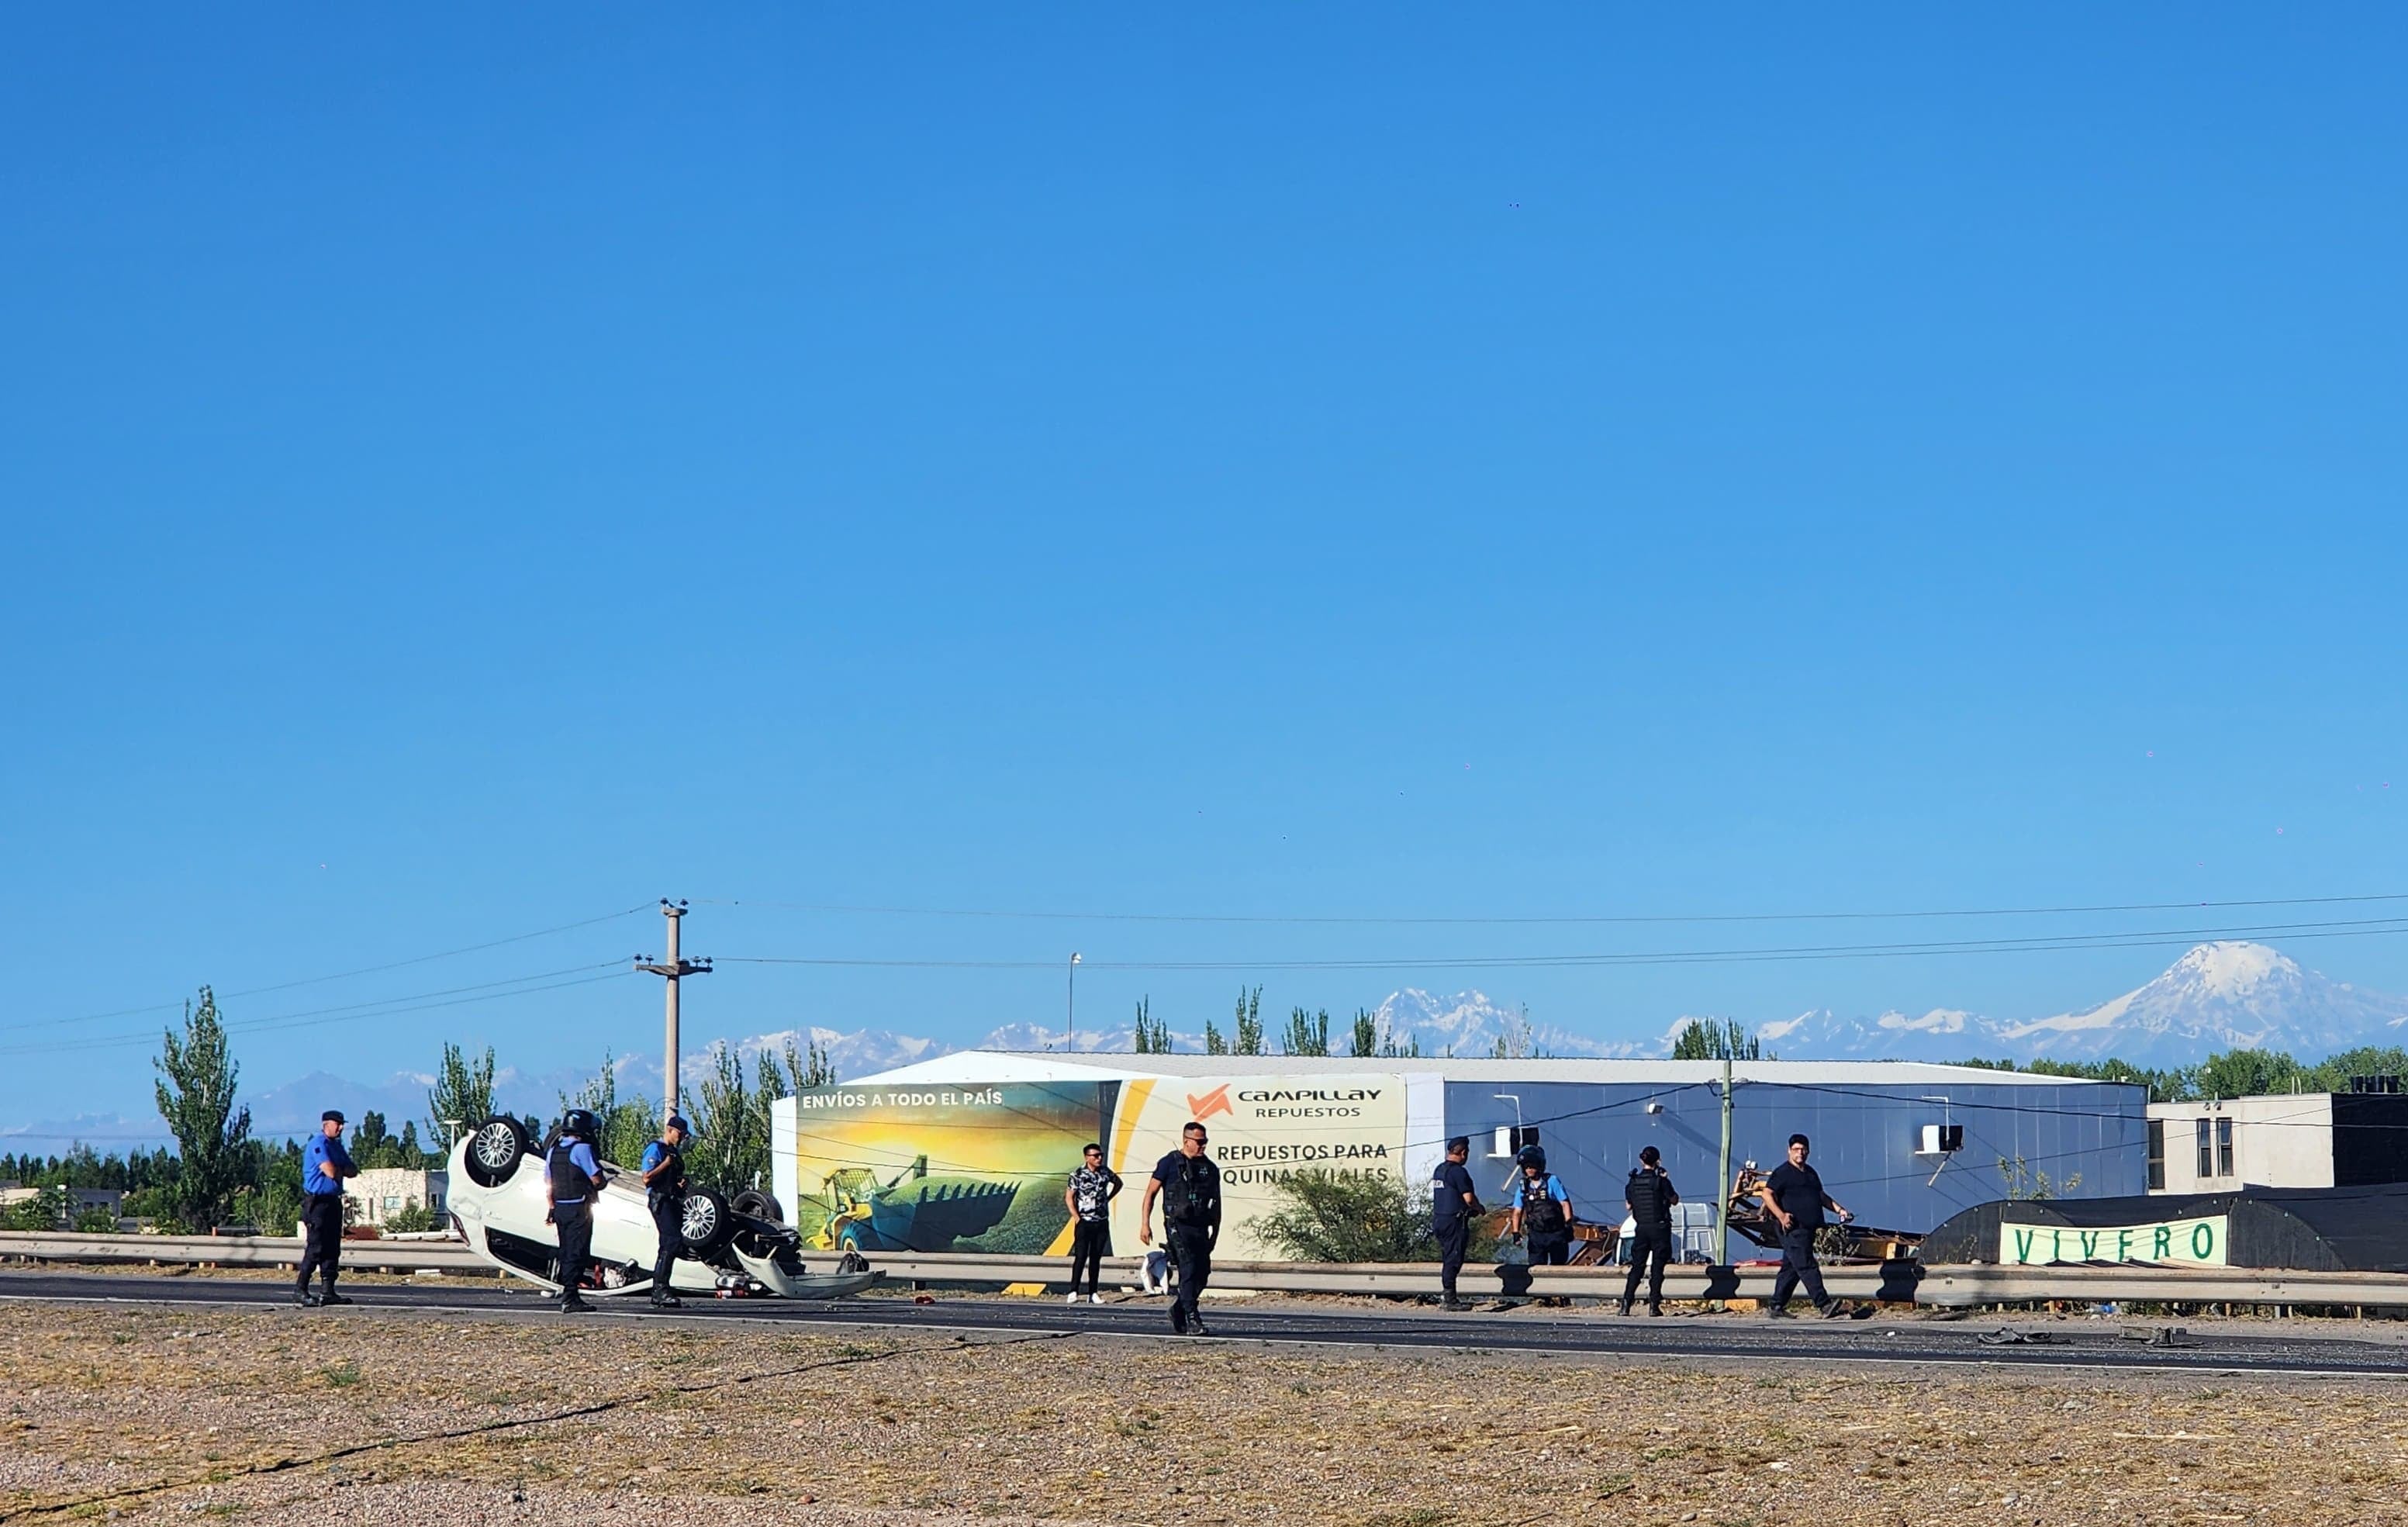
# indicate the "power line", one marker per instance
pixel 1027 915
pixel 337 975
pixel 2039 944
pixel 385 1007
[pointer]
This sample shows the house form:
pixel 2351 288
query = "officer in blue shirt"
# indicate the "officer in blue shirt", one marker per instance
pixel 324 1164
pixel 664 1170
pixel 572 1175
pixel 1452 1203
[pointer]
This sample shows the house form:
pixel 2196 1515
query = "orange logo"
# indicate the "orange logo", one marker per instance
pixel 1215 1101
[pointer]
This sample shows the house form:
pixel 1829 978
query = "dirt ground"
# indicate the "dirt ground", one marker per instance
pixel 277 1416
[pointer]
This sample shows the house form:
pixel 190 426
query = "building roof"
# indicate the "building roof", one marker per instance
pixel 1000 1066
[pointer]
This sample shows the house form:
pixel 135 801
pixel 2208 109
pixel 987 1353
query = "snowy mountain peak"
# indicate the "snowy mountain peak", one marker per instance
pixel 2231 969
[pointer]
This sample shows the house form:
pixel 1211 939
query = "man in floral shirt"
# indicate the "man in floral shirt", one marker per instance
pixel 1089 1200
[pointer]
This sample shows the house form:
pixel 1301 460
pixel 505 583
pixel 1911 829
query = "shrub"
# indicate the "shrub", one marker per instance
pixel 1328 1215
pixel 412 1218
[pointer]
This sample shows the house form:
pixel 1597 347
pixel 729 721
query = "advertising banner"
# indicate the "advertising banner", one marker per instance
pixel 928 1167
pixel 983 1167
pixel 2199 1242
pixel 1261 1129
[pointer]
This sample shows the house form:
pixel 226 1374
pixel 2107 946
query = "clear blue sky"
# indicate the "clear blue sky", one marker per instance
pixel 465 473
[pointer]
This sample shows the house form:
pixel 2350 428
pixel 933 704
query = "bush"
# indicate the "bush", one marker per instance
pixel 412 1219
pixel 1339 1216
pixel 95 1221
pixel 43 1211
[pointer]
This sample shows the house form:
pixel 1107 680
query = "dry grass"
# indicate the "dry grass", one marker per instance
pixel 233 1413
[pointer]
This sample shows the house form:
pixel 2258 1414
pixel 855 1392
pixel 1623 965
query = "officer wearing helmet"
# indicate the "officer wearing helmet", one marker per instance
pixel 663 1172
pixel 572 1175
pixel 1542 1210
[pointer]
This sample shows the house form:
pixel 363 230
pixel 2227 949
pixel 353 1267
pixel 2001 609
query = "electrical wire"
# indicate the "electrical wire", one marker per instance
pixel 353 1012
pixel 1012 914
pixel 337 975
pixel 2037 944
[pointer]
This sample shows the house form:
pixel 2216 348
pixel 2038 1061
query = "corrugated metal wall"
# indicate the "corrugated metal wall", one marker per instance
pixel 2090 1139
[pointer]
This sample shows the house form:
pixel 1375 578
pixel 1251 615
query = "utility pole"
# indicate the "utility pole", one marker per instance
pixel 1722 1211
pixel 1070 1033
pixel 672 969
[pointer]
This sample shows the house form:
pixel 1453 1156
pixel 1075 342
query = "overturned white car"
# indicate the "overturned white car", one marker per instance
pixel 733 1246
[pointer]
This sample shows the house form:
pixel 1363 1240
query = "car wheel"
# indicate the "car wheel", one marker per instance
pixel 707 1222
pixel 494 1151
pixel 755 1204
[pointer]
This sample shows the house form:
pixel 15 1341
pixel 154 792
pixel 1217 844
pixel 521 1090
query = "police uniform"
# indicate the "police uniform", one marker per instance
pixel 574 1174
pixel 666 1197
pixel 324 1163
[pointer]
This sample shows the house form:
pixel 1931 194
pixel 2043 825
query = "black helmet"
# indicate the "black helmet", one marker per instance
pixel 581 1123
pixel 1533 1156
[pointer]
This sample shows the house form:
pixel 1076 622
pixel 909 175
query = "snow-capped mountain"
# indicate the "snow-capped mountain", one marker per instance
pixel 2218 996
pixel 1468 1024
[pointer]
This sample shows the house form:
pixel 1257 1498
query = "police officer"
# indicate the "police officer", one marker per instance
pixel 324 1164
pixel 663 1172
pixel 1543 1213
pixel 572 1175
pixel 1650 1197
pixel 1452 1204
pixel 1188 1183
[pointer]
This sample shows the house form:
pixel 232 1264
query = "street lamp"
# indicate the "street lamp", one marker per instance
pixel 1070 1030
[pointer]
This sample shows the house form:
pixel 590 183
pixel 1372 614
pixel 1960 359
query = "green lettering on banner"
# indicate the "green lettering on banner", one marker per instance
pixel 2200 1242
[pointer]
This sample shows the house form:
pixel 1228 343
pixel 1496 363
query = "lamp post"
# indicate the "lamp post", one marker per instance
pixel 1070 1029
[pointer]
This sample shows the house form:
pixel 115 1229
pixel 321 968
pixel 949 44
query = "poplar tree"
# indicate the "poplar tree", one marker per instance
pixel 195 1093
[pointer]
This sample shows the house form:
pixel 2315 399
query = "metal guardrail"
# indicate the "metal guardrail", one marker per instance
pixel 1899 1282
pixel 381 1256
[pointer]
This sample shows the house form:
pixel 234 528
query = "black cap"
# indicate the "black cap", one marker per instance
pixel 1461 1142
pixel 333 1116
pixel 676 1121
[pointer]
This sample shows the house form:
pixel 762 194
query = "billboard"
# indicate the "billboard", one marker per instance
pixel 971 1168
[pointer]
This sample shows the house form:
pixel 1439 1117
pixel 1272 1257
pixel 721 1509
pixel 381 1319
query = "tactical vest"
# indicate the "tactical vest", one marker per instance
pixel 670 1183
pixel 1649 1203
pixel 1543 1212
pixel 568 1180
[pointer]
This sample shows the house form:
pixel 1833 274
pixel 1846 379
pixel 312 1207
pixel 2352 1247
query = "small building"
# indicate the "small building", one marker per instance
pixel 384 1191
pixel 80 1201
pixel 2282 1140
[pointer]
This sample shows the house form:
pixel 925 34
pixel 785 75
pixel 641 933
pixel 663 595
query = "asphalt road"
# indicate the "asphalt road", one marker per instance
pixel 1916 1339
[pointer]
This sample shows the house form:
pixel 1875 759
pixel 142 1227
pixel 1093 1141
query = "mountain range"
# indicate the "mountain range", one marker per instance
pixel 2217 996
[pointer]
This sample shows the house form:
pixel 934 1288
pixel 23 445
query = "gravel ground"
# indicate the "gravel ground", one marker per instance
pixel 162 1415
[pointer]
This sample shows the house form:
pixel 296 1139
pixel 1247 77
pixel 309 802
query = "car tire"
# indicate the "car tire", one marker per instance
pixel 755 1204
pixel 495 1148
pixel 708 1222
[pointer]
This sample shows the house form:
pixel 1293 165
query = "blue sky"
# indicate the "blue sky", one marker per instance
pixel 467 474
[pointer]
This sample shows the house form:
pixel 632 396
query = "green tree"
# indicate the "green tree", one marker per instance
pixel 627 1124
pixel 1364 1039
pixel 195 1093
pixel 1215 1043
pixel 463 1091
pixel 1703 1040
pixel 731 1124
pixel 1325 1215
pixel 2250 1073
pixel 1250 1023
pixel 1152 1038
pixel 1307 1033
